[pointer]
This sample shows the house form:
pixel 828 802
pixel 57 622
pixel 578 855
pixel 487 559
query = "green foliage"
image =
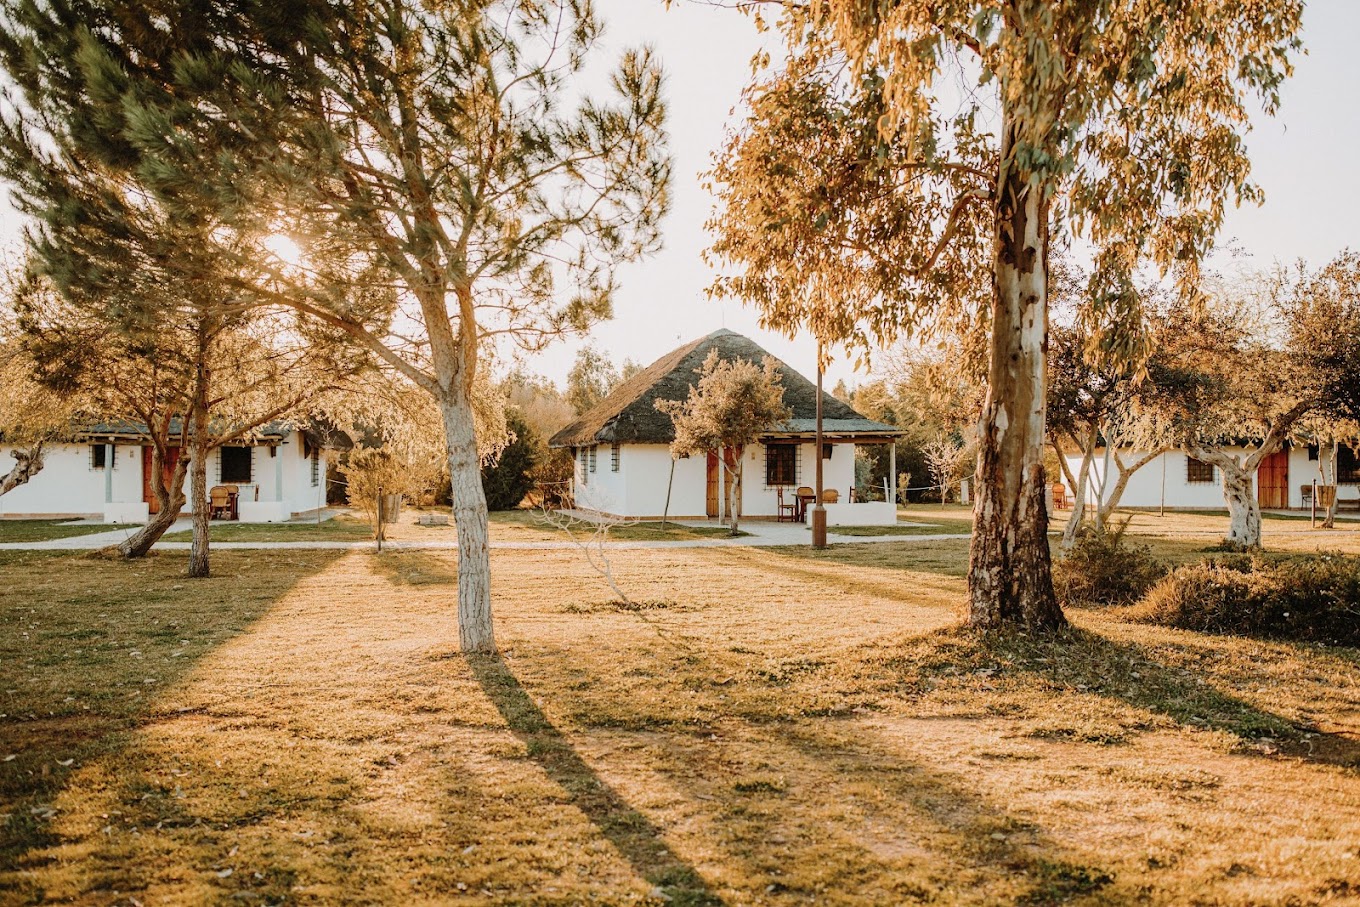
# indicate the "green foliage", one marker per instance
pixel 1103 568
pixel 732 405
pixel 1311 598
pixel 590 380
pixel 509 478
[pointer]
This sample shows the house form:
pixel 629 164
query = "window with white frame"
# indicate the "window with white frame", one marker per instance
pixel 613 457
pixel 102 455
pixel 592 457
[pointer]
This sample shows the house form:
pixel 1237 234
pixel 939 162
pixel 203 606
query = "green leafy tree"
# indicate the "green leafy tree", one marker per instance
pixel 862 200
pixel 509 478
pixel 441 183
pixel 591 378
pixel 731 406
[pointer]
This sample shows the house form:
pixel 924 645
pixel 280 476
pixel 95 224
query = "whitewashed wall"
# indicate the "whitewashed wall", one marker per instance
pixel 68 486
pixel 638 488
pixel 1145 487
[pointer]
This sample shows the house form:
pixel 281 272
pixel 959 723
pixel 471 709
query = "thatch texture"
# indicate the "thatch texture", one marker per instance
pixel 629 414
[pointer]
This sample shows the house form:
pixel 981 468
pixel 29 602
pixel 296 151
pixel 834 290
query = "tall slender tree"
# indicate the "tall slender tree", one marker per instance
pixel 435 167
pixel 860 173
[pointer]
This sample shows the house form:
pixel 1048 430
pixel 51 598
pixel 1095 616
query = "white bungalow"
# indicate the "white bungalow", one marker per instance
pixel 104 472
pixel 624 465
pixel 1177 481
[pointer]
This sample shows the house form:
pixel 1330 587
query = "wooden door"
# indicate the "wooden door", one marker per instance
pixel 1272 481
pixel 167 469
pixel 714 485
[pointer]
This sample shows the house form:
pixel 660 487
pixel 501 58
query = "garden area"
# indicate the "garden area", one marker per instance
pixel 300 727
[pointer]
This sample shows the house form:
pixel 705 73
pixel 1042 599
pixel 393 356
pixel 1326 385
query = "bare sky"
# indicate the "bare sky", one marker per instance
pixel 1304 159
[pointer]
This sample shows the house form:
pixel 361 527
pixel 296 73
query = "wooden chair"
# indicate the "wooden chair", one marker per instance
pixel 805 497
pixel 1059 496
pixel 830 496
pixel 787 513
pixel 220 498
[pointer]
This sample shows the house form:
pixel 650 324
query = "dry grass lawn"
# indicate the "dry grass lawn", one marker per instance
pixel 763 726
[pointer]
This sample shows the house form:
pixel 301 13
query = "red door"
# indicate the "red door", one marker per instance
pixel 167 470
pixel 1272 481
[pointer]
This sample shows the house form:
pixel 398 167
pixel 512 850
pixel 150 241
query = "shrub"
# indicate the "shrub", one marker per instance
pixel 1104 569
pixel 1306 599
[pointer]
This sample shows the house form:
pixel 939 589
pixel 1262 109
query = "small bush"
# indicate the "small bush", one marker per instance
pixel 1104 569
pixel 1306 599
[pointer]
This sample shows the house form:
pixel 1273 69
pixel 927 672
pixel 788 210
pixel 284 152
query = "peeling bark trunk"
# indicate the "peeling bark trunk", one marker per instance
pixel 170 501
pixel 1244 512
pixel 475 630
pixel 1010 581
pixel 28 463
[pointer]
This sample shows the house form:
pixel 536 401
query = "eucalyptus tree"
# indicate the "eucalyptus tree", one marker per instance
pixel 912 162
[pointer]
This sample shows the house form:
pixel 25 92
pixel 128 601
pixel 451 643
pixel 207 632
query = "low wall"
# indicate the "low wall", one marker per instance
pixel 864 513
pixel 128 512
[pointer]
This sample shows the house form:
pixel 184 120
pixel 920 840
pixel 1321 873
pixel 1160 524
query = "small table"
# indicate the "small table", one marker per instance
pixel 803 501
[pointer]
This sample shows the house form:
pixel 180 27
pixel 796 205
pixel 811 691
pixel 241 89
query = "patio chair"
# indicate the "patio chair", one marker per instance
pixel 805 497
pixel 787 512
pixel 220 501
pixel 1059 496
pixel 830 496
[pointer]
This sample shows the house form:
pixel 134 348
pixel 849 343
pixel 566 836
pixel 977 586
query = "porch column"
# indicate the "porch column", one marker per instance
pixel 892 470
pixel 108 473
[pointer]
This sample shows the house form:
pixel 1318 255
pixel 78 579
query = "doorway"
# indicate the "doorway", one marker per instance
pixel 1272 481
pixel 167 470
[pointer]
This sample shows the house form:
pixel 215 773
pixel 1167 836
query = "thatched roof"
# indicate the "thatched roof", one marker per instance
pixel 629 414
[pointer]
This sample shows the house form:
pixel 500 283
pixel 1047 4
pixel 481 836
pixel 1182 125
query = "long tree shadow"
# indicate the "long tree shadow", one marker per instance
pixel 635 837
pixel 1082 660
pixel 786 799
pixel 86 649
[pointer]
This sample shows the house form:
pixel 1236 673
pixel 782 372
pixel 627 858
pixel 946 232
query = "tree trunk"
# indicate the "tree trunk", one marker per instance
pixel 1079 482
pixel 1244 512
pixel 736 488
pixel 1328 469
pixel 170 500
pixel 202 510
pixel 1108 506
pixel 475 630
pixel 28 463
pixel 1010 582
pixel 198 467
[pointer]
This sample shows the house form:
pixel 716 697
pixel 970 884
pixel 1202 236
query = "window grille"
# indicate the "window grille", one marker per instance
pixel 1197 471
pixel 781 464
pixel 1347 466
pixel 316 468
pixel 99 454
pixel 234 465
pixel 613 458
pixel 592 457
